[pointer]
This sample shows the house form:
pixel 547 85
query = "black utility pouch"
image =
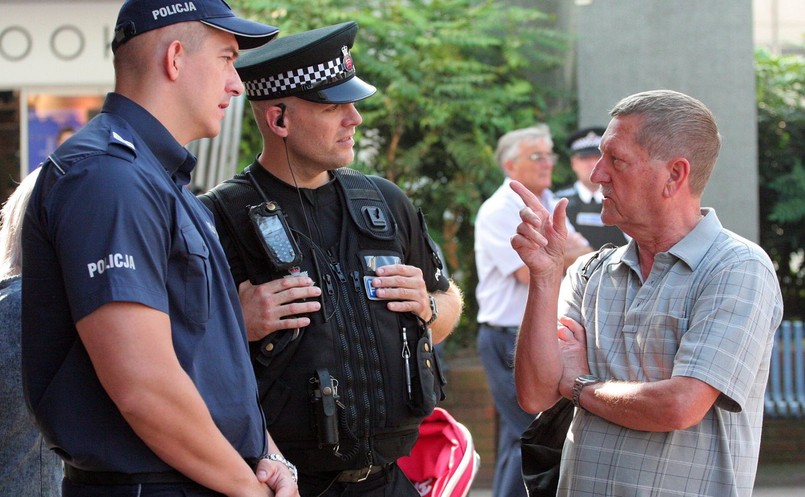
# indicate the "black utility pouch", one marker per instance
pixel 324 401
pixel 424 394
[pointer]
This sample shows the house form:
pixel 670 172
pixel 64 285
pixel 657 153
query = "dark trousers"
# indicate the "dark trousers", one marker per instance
pixel 387 483
pixel 496 348
pixel 70 489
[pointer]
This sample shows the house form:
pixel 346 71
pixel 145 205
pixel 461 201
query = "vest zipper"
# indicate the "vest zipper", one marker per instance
pixel 379 401
pixel 352 341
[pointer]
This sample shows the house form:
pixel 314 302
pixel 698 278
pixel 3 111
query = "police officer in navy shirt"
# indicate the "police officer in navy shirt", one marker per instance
pixel 134 350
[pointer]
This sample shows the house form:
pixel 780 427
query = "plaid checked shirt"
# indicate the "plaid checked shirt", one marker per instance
pixel 708 310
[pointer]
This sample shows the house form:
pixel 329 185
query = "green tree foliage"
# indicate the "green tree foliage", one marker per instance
pixel 781 142
pixel 452 76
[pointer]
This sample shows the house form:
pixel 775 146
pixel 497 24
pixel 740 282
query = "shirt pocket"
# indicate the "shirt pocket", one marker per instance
pixel 196 277
pixel 658 341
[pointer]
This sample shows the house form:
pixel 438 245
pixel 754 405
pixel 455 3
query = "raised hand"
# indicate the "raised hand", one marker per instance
pixel 541 237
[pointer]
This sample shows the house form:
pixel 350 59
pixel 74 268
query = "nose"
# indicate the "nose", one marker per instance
pixel 354 117
pixel 235 85
pixel 597 175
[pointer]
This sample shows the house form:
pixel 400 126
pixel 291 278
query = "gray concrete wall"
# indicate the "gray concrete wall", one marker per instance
pixel 703 49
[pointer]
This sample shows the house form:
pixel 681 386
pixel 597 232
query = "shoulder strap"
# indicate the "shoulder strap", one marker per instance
pixel 366 204
pixel 231 200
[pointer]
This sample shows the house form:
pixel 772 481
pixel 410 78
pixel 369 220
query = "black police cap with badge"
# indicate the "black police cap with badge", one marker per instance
pixel 315 66
pixel 140 16
pixel 585 141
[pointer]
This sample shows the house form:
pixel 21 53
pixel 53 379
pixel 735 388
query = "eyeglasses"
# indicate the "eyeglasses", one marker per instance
pixel 543 158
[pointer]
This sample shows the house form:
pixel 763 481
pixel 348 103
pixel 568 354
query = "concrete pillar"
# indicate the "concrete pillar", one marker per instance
pixel 703 49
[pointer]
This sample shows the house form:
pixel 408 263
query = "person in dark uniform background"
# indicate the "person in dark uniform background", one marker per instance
pixel 347 374
pixel 584 197
pixel 134 352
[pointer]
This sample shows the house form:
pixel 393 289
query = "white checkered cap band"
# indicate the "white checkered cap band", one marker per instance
pixel 296 80
pixel 591 140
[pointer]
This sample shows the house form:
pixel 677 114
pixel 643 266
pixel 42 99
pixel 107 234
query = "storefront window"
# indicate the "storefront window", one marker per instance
pixel 53 116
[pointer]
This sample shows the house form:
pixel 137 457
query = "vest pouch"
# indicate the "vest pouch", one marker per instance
pixel 424 392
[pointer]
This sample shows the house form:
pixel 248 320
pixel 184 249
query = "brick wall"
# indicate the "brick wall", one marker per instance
pixel 782 441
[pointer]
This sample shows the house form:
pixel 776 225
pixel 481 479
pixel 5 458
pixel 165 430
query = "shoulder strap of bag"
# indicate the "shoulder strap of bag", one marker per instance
pixel 232 199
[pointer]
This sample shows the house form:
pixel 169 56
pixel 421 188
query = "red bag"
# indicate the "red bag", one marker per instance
pixel 443 462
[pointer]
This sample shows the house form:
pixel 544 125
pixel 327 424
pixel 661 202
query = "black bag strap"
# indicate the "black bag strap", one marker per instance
pixel 231 200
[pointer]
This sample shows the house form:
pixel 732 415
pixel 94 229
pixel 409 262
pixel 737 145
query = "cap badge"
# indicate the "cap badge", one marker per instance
pixel 347 58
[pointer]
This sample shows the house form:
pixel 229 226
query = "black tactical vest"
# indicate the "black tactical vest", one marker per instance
pixel 351 389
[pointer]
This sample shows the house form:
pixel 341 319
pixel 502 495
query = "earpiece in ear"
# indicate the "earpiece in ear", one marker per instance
pixel 281 120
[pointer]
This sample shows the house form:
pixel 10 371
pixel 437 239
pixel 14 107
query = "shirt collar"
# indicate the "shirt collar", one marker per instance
pixel 694 246
pixel 691 249
pixel 176 159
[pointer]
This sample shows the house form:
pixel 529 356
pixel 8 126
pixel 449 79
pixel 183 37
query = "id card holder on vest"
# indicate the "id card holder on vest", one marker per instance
pixel 372 262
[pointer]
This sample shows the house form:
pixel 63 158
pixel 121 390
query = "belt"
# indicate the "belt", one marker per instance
pixel 84 477
pixel 359 475
pixel 503 329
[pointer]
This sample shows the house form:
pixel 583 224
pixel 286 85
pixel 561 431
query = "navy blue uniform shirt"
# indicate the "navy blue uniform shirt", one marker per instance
pixel 110 220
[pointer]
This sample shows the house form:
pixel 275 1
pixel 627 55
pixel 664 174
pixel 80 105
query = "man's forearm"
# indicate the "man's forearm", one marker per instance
pixel 537 363
pixel 660 406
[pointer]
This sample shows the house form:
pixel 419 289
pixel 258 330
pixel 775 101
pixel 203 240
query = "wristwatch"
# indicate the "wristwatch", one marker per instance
pixel 434 311
pixel 581 382
pixel 279 458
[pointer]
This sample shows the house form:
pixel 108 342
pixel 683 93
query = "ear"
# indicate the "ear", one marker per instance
pixel 678 174
pixel 173 59
pixel 507 167
pixel 272 115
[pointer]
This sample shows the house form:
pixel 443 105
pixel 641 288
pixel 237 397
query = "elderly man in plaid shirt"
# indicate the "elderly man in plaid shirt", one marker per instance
pixel 665 349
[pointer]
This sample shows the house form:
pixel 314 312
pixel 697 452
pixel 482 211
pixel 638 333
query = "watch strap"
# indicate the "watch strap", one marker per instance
pixel 579 384
pixel 434 311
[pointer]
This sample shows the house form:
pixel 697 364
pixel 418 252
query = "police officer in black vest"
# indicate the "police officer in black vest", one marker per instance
pixel 344 351
pixel 584 206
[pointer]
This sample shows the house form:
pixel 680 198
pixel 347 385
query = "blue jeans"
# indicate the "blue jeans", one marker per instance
pixel 496 348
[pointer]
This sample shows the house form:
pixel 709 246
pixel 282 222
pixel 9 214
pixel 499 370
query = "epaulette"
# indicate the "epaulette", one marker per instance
pixel 121 144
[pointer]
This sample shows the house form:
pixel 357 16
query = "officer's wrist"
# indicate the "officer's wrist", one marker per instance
pixel 281 459
pixel 434 311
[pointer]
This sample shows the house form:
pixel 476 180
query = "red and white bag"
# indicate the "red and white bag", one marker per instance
pixel 443 462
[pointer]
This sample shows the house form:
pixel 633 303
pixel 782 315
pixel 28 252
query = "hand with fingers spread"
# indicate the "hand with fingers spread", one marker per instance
pixel 279 304
pixel 541 237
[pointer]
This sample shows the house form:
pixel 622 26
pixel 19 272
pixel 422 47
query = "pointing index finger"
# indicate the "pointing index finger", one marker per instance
pixel 528 197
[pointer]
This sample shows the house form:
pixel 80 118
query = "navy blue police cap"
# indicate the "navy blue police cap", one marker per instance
pixel 585 141
pixel 314 65
pixel 139 16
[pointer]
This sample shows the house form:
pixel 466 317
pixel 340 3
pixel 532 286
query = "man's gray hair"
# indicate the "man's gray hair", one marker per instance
pixel 675 125
pixel 507 144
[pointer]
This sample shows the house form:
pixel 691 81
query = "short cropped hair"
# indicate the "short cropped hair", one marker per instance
pixel 675 125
